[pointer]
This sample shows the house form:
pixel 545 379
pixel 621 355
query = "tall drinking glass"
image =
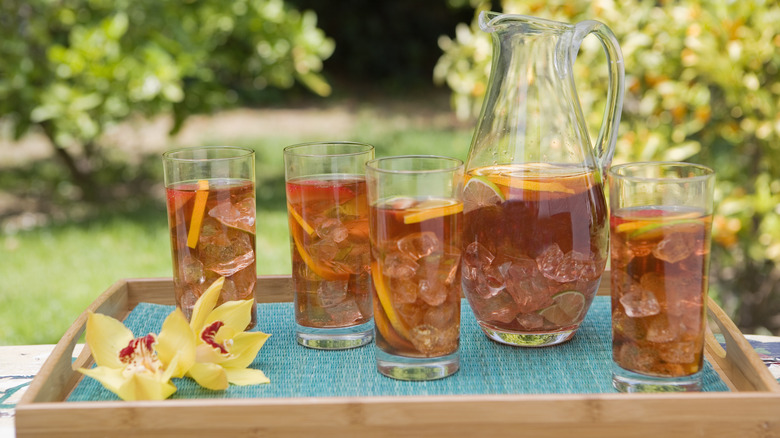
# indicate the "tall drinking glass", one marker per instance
pixel 328 217
pixel 415 218
pixel 211 216
pixel 660 223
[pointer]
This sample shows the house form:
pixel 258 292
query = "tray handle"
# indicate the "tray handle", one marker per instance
pixel 59 365
pixel 738 361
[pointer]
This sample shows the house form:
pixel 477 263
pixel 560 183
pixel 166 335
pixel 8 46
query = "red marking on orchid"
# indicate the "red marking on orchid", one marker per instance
pixel 210 332
pixel 138 346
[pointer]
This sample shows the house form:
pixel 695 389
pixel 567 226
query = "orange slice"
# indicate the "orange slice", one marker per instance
pixel 530 185
pixel 306 227
pixel 389 334
pixel 197 213
pixel 386 302
pixel 322 271
pixel 431 209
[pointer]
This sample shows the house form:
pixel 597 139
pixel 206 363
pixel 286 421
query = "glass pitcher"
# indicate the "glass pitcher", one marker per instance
pixel 536 231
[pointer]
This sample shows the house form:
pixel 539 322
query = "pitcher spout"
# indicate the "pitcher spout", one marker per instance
pixel 491 22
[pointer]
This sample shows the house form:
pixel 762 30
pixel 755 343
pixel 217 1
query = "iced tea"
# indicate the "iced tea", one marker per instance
pixel 534 248
pixel 330 250
pixel 415 265
pixel 660 263
pixel 212 228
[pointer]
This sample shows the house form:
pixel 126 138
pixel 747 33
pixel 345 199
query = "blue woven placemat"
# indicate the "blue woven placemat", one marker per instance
pixel 579 366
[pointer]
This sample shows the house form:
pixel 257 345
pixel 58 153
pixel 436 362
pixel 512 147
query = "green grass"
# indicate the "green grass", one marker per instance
pixel 48 276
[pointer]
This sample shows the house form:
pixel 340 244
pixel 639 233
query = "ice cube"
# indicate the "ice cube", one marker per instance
pixel 625 326
pixel 240 215
pixel 661 330
pixel 324 250
pixel 674 247
pixel 527 286
pixel 411 314
pixel 442 316
pixel 419 245
pixel 188 300
pixel 244 281
pixel 398 265
pixel 678 352
pixel 404 290
pixel 549 262
pixel 432 292
pixel 500 308
pixel 639 303
pixel 358 259
pixel 530 321
pixel 621 254
pixel 484 286
pixel 228 259
pixel 331 293
pixel 331 229
pixel 475 257
pixel 635 358
pixel 345 313
pixel 432 341
pixel 191 270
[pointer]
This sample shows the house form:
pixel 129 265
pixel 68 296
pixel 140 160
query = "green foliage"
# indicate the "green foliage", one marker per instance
pixel 72 68
pixel 703 85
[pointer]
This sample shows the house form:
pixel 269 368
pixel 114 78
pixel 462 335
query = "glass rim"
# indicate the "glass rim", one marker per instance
pixel 243 152
pixel 293 149
pixel 706 172
pixel 372 164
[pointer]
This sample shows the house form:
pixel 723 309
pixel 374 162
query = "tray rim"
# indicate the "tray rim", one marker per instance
pixel 754 400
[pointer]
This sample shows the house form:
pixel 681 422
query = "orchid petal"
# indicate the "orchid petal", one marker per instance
pixel 176 339
pixel 235 314
pixel 245 347
pixel 110 378
pixel 106 338
pixel 145 387
pixel 209 376
pixel 205 305
pixel 246 376
pixel 205 353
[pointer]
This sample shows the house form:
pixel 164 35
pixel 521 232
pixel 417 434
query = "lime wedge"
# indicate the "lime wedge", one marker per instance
pixel 566 309
pixel 666 224
pixel 432 208
pixel 480 192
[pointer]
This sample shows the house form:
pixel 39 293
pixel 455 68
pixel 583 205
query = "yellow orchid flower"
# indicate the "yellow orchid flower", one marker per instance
pixel 223 349
pixel 139 368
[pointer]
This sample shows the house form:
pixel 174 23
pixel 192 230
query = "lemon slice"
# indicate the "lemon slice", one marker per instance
pixel 432 208
pixel 566 308
pixel 306 227
pixel 197 213
pixel 480 192
pixel 387 304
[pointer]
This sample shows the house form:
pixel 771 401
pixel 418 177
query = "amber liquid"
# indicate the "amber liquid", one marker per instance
pixel 330 250
pixel 225 244
pixel 416 278
pixel 549 235
pixel 660 263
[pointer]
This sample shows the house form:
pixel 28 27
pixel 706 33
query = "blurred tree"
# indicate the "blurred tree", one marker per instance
pixel 702 84
pixel 71 68
pixel 390 44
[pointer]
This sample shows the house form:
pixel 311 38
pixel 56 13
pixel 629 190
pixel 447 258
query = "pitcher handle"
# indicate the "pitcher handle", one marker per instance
pixel 605 144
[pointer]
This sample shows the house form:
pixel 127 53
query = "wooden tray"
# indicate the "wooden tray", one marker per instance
pixel 752 409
